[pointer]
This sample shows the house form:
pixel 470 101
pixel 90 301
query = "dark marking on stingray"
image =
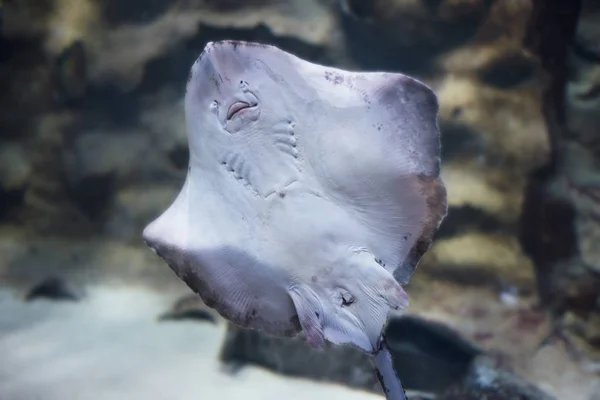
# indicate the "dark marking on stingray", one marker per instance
pixel 189 77
pixel 334 77
pixel 215 82
pixel 350 85
pixel 240 43
pixel 381 381
pixel 198 59
pixel 382 349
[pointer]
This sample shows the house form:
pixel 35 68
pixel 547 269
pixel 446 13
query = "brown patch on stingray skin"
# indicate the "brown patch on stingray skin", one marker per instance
pixel 434 192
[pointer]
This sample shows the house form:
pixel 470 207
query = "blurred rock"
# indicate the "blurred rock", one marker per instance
pixel 190 307
pixel 428 356
pixel 97 162
pixel 562 224
pixel 423 29
pixel 53 288
pixel 105 153
pixel 15 167
pixel 70 74
pixel 293 357
pixel 164 118
pixel 15 175
pixel 133 206
pixel 486 381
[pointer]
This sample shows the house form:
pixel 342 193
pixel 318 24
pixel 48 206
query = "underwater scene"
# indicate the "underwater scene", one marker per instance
pixel 299 199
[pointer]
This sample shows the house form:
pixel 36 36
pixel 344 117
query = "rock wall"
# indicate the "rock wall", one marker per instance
pixel 560 225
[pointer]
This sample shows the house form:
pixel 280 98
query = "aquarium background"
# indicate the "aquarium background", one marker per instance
pixel 505 304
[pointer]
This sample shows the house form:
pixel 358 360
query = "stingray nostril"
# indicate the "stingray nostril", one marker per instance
pixel 214 107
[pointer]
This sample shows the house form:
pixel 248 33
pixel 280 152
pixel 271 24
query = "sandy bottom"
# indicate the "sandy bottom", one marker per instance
pixel 110 346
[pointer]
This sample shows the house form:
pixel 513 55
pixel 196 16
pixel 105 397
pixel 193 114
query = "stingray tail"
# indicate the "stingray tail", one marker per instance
pixel 386 374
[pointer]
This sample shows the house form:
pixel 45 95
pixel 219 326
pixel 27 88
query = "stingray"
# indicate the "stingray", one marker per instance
pixel 310 197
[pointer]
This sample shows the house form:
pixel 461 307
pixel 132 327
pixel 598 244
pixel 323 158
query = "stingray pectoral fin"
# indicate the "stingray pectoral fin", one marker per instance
pixel 310 313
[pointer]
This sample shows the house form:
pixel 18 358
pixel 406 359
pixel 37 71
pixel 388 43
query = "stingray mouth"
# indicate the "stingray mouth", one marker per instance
pixel 239 108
